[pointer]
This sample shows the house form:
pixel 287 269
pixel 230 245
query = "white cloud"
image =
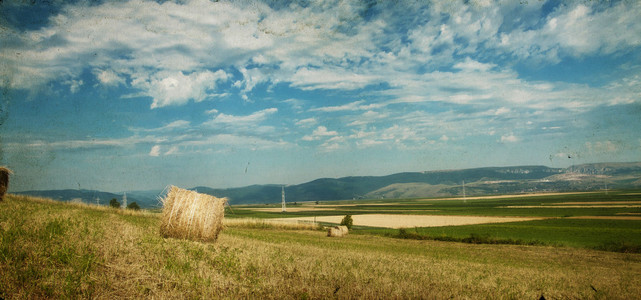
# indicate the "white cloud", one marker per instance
pixel 233 140
pixel 471 65
pixel 341 79
pixel 178 124
pixel 251 119
pixel 155 151
pixel 352 106
pixel 346 107
pixel 502 111
pixel 318 133
pixel 368 117
pixel 251 78
pixel 364 143
pixel 196 50
pixel 108 77
pixel 578 30
pixel 307 122
pixel 168 49
pixel 401 134
pixel 74 85
pixel 332 144
pixel 178 88
pixel 509 138
pixel 172 150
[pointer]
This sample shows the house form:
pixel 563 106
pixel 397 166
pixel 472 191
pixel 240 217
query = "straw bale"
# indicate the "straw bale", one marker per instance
pixel 4 181
pixel 191 215
pixel 337 231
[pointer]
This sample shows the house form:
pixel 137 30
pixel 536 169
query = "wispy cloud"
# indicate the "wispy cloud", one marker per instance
pixel 575 30
pixel 175 125
pixel 168 57
pixel 307 122
pixel 248 120
pixel 319 133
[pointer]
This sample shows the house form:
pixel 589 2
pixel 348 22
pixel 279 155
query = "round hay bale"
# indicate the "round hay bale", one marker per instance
pixel 4 181
pixel 191 215
pixel 337 231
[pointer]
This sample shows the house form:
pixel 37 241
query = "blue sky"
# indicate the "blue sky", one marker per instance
pixel 134 95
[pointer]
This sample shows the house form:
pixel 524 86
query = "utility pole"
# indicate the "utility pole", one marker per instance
pixel 464 197
pixel 283 196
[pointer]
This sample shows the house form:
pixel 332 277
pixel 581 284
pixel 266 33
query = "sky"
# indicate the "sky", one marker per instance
pixel 137 95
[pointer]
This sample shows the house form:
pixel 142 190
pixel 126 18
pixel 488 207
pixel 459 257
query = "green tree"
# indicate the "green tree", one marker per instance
pixel 347 221
pixel 133 205
pixel 114 203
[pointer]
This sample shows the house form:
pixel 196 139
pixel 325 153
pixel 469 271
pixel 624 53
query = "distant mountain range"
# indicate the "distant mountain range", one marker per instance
pixel 445 183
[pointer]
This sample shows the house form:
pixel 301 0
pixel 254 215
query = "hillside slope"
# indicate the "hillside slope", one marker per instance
pixel 478 181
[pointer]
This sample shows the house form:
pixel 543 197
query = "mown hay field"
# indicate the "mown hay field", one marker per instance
pixel 55 250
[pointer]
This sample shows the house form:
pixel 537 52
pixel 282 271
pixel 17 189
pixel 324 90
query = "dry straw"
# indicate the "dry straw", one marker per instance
pixel 4 181
pixel 191 215
pixel 337 231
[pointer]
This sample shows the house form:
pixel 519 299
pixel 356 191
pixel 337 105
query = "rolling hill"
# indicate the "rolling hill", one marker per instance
pixel 478 181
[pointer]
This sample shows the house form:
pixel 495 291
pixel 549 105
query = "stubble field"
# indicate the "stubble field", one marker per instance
pixel 55 250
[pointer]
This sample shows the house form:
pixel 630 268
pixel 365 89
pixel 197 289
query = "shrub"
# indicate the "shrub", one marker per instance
pixel 114 203
pixel 133 205
pixel 347 221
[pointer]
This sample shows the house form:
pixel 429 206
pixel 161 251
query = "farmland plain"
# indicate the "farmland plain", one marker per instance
pixel 50 249
pixel 601 220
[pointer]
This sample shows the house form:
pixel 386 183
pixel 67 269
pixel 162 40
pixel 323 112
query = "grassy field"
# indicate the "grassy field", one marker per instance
pixel 544 206
pixel 611 235
pixel 560 229
pixel 55 250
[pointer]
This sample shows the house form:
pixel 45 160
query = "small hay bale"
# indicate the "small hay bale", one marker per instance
pixel 191 215
pixel 337 231
pixel 4 181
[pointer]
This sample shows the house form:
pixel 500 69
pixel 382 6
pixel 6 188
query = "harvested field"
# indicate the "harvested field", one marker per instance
pixel 632 218
pixel 405 221
pixel 268 223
